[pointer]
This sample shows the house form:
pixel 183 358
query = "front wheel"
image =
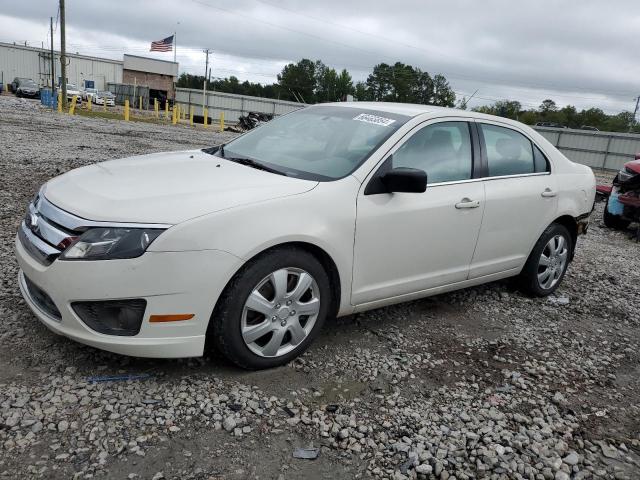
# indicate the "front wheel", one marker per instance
pixel 271 310
pixel 548 262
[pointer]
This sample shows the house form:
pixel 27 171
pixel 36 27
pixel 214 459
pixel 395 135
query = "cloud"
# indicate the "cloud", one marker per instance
pixel 576 52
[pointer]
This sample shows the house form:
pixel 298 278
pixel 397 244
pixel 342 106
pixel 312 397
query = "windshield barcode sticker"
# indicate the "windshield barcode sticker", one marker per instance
pixel 367 118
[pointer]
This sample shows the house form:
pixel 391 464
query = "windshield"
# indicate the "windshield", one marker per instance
pixel 30 83
pixel 71 86
pixel 316 143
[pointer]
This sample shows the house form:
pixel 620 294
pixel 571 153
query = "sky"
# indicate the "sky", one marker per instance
pixel 584 53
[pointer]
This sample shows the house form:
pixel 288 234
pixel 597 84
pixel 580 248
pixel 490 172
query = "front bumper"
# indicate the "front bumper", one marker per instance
pixel 170 282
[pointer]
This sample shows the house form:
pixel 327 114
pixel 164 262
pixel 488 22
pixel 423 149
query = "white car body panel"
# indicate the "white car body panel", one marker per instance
pixel 386 248
pixel 177 186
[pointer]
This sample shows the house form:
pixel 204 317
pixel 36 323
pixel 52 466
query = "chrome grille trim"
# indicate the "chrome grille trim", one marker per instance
pixel 45 230
pixel 38 248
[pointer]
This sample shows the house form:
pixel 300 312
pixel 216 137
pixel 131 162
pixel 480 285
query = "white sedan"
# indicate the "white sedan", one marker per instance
pixel 101 98
pixel 248 247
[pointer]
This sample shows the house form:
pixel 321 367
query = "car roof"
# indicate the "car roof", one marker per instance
pixel 413 110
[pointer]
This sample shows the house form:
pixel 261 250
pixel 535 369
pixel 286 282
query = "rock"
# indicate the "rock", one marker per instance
pixel 229 424
pixel 63 426
pixel 571 459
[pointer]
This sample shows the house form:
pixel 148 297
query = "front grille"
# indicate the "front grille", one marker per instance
pixel 42 300
pixel 43 237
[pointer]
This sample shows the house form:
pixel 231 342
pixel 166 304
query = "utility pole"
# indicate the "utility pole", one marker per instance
pixel 53 65
pixel 204 83
pixel 635 112
pixel 63 57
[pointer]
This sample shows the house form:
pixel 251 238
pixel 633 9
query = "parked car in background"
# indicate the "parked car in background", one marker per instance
pixel 588 127
pixel 13 86
pixel 27 88
pixel 88 93
pixel 623 197
pixel 73 90
pixel 101 98
pixel 333 209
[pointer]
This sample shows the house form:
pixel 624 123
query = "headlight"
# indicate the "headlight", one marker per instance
pixel 624 175
pixel 111 243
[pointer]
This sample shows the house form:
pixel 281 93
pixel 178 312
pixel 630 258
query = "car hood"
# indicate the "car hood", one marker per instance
pixel 634 166
pixel 165 188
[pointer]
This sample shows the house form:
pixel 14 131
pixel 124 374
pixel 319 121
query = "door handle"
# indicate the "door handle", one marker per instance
pixel 548 193
pixel 467 203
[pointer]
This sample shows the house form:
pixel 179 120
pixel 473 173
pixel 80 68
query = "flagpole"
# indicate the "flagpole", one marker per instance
pixel 175 46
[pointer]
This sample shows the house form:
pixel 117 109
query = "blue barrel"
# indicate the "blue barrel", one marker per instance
pixel 47 99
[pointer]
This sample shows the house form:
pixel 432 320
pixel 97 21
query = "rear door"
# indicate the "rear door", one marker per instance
pixel 520 199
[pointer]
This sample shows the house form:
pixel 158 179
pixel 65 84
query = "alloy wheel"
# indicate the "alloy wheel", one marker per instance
pixel 553 261
pixel 280 312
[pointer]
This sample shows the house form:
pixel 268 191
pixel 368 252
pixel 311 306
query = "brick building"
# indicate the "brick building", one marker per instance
pixel 159 75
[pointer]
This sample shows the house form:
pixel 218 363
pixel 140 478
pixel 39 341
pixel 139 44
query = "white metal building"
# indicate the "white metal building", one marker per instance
pixel 35 63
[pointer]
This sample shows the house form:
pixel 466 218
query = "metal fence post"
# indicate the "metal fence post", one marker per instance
pixel 558 140
pixel 606 153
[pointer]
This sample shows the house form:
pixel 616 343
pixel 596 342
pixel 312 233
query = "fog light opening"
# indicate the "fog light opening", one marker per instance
pixel 112 317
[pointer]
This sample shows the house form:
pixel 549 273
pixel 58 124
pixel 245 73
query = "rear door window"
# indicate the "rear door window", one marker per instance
pixel 508 152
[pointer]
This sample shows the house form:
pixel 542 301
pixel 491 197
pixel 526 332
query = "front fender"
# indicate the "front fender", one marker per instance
pixel 323 217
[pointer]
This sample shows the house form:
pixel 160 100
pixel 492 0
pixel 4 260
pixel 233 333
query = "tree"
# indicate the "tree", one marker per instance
pixel 442 93
pixel 362 93
pixel 548 105
pixel 344 85
pixel 298 81
pixel 404 83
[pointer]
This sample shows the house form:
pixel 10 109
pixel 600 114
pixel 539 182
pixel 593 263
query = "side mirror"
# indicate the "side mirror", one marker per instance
pixel 401 179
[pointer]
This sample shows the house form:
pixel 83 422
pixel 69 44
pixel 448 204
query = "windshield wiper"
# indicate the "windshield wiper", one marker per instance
pixel 253 164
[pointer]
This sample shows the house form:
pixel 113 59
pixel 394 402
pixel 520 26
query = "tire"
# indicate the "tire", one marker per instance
pixel 615 222
pixel 532 279
pixel 280 326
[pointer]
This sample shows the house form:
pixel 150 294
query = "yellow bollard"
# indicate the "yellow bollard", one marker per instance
pixel 174 112
pixel 59 102
pixel 89 103
pixel 72 107
pixel 222 121
pixel 166 109
pixel 155 107
pixel 126 110
pixel 191 115
pixel 104 104
pixel 140 102
pixel 206 117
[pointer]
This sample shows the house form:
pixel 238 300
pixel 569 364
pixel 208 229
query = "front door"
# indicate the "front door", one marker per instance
pixel 409 242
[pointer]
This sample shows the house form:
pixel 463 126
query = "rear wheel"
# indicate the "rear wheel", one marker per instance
pixel 271 310
pixel 548 261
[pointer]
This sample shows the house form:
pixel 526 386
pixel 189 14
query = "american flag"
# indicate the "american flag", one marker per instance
pixel 165 45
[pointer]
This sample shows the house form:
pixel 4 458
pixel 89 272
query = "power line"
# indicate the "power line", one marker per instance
pixel 449 74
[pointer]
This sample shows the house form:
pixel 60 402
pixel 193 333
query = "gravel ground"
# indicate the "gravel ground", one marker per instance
pixel 481 383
